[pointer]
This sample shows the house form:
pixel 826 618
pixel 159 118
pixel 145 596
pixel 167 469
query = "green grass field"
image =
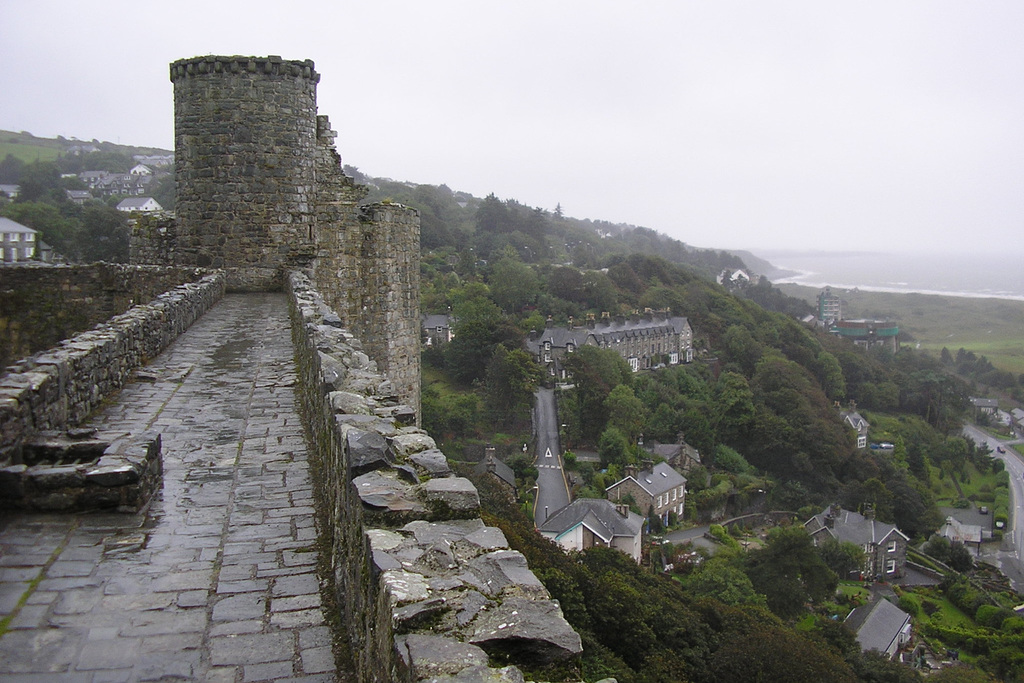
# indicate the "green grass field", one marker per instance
pixel 990 327
pixel 28 153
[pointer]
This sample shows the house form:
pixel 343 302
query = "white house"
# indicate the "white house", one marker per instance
pixel 140 169
pixel 143 204
pixel 588 522
pixel 17 242
pixel 11 191
pixel 854 419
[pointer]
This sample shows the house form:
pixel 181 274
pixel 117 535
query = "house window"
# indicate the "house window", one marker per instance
pixel 892 547
pixel 570 347
pixel 674 494
pixel 547 346
pixel 890 567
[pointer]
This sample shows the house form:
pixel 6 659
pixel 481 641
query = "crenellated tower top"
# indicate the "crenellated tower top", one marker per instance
pixel 271 65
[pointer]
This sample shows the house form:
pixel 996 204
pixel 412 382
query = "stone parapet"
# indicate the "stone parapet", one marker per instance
pixel 426 589
pixel 58 388
pixel 41 306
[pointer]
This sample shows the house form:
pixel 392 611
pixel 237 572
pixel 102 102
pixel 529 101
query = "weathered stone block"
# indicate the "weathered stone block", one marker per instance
pixel 527 630
pixel 428 656
pixel 454 494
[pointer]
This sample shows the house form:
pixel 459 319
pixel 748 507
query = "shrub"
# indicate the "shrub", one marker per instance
pixel 909 604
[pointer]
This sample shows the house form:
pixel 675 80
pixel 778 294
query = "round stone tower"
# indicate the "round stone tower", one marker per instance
pixel 245 136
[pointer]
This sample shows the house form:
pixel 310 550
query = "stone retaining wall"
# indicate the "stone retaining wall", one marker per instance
pixel 426 589
pixel 58 388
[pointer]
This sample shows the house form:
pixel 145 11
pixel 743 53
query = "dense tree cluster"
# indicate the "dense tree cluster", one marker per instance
pixel 641 627
pixel 95 231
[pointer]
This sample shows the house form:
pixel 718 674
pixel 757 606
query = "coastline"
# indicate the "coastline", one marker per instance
pixel 800 282
pixel 966 276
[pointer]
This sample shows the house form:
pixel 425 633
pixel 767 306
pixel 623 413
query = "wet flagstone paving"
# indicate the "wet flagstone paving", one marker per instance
pixel 217 581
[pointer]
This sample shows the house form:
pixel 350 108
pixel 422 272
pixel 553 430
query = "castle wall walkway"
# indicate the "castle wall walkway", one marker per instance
pixel 217 581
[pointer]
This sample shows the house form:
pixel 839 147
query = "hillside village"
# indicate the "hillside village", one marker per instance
pixel 709 427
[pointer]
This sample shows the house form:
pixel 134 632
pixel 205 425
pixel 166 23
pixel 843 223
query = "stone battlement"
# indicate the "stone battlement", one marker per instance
pixel 270 66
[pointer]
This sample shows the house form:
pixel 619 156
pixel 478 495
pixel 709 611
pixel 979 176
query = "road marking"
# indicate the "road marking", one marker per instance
pixel 548 453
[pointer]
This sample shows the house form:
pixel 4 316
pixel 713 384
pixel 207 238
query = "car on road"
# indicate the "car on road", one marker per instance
pixel 983 510
pixel 1000 449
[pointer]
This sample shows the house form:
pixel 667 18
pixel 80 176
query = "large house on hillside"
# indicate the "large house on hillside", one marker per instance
pixel 658 489
pixel 644 342
pixel 884 546
pixel 17 242
pixel 588 522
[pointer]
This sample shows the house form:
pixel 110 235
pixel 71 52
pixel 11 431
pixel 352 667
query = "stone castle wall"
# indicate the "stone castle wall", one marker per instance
pixel 41 306
pixel 260 192
pixel 244 164
pixel 60 387
pixel 427 590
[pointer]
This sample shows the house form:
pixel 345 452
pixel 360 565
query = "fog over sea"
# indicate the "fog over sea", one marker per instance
pixel 977 275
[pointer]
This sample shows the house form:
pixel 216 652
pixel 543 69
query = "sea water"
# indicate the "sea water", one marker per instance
pixel 991 275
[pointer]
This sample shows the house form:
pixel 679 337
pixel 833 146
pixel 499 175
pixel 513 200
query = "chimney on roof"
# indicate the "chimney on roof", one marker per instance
pixel 570 322
pixel 869 512
pixel 648 464
pixel 830 521
pixel 549 323
pixel 631 470
pixel 834 510
pixel 622 510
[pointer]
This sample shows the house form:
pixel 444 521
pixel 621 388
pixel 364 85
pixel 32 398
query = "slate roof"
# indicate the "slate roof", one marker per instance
pixel 954 530
pixel 7 225
pixel 560 338
pixel 135 203
pixel 877 624
pixel 607 332
pixel 985 402
pixel 614 332
pixel 855 420
pixel 855 528
pixel 657 480
pixel 597 514
pixel 435 320
pixel 500 470
pixel 675 452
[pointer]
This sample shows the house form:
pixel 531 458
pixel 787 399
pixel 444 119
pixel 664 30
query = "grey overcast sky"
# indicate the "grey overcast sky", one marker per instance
pixel 812 124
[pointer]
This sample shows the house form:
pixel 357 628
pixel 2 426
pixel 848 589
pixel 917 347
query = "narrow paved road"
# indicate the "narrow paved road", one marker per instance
pixel 1009 558
pixel 552 490
pixel 217 582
